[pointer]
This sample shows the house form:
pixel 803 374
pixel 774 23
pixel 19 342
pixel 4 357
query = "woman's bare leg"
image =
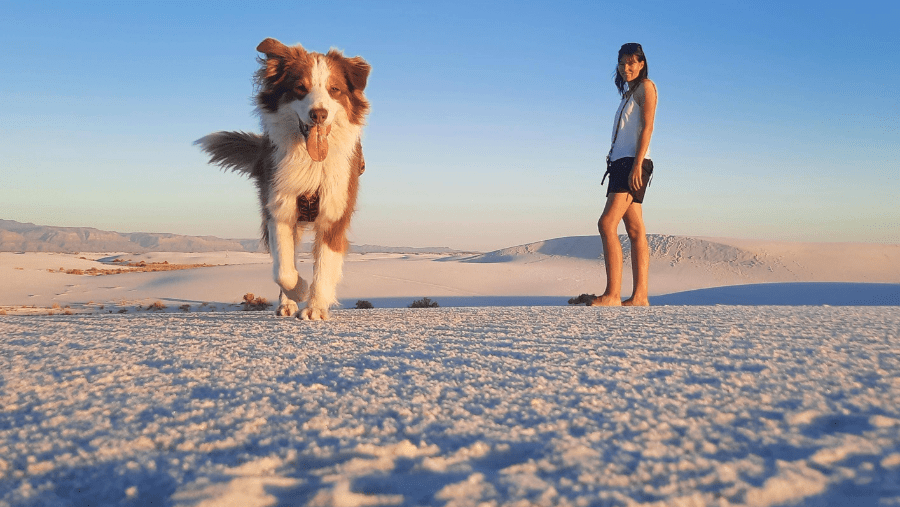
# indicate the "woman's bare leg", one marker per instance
pixel 616 206
pixel 640 255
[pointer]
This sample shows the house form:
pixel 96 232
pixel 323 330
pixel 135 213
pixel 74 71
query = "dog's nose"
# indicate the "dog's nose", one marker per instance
pixel 318 115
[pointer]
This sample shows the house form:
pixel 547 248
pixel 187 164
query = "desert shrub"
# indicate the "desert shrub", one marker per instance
pixel 424 303
pixel 584 299
pixel 157 306
pixel 2 312
pixel 185 308
pixel 55 306
pixel 67 312
pixel 363 305
pixel 74 272
pixel 254 303
pixel 121 310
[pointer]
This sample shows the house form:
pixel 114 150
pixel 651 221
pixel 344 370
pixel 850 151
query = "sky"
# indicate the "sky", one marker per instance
pixel 490 121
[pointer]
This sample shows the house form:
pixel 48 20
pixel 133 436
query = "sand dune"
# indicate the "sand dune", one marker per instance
pixel 542 273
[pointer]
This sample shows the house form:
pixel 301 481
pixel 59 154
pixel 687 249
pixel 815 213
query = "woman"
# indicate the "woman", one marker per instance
pixel 629 169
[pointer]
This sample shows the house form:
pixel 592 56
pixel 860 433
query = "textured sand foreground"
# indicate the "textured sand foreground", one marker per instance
pixel 454 406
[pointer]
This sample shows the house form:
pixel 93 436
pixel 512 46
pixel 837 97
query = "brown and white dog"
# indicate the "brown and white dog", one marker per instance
pixel 306 164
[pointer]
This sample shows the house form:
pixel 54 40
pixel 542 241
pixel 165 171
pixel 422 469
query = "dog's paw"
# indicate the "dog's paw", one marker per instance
pixel 287 309
pixel 310 313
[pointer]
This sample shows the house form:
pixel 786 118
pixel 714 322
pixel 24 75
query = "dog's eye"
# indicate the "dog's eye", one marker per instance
pixel 335 89
pixel 301 90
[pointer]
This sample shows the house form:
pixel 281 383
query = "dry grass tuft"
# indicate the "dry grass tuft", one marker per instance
pixel 254 303
pixel 157 306
pixel 584 299
pixel 424 303
pixel 132 267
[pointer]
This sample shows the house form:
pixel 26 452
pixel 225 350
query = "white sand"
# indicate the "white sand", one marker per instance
pixel 544 273
pixel 454 406
pixel 509 404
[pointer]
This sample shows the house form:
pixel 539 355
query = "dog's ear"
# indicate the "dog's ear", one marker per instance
pixel 356 70
pixel 272 48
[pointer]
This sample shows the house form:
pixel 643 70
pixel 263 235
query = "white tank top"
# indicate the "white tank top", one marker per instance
pixel 629 126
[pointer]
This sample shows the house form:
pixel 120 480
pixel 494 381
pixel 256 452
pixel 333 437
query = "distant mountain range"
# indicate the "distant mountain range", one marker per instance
pixel 27 237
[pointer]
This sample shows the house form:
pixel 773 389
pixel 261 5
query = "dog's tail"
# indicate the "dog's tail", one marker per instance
pixel 238 151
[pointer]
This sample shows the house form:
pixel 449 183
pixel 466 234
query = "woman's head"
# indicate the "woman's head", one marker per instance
pixel 632 65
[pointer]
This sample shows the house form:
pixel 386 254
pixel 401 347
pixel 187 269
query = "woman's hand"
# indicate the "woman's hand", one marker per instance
pixel 635 178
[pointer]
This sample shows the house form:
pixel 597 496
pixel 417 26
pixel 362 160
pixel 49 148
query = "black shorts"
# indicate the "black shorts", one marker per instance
pixel 618 172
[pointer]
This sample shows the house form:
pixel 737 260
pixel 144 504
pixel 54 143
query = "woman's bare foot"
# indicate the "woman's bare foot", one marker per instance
pixel 632 301
pixel 606 300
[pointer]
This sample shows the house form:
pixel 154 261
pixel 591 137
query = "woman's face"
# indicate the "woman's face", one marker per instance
pixel 630 67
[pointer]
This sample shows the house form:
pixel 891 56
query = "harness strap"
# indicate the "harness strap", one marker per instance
pixel 308 207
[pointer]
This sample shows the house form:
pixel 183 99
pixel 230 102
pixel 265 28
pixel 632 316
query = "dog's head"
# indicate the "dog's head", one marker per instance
pixel 311 92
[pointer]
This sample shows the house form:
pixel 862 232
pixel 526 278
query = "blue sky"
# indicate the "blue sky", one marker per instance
pixel 490 120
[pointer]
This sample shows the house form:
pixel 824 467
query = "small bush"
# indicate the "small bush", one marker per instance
pixel 157 306
pixel 55 306
pixel 74 272
pixel 363 305
pixel 253 303
pixel 584 299
pixel 424 303
pixel 185 308
pixel 2 312
pixel 121 310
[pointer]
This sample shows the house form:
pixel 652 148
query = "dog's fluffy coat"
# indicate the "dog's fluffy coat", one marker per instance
pixel 306 164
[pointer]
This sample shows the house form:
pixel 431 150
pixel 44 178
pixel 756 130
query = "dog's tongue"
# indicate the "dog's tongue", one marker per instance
pixel 317 142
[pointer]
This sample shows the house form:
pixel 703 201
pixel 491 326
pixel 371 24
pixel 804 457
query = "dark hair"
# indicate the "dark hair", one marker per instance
pixel 630 49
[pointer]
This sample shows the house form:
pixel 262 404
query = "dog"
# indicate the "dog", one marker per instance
pixel 306 164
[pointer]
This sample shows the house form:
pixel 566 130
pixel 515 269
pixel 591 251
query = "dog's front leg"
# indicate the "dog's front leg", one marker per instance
pixel 329 263
pixel 293 288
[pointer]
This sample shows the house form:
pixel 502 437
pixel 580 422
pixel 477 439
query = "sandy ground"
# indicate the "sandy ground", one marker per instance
pixel 151 388
pixel 550 406
pixel 683 271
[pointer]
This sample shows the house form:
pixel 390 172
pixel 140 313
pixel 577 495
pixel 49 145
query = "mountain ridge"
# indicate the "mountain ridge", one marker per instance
pixel 28 237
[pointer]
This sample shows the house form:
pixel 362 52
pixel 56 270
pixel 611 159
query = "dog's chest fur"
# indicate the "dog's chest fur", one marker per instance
pixel 296 174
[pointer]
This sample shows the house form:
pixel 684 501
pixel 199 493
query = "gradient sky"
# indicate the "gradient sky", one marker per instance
pixel 490 120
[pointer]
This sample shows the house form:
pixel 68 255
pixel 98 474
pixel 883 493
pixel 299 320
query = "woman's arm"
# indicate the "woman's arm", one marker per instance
pixel 645 96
